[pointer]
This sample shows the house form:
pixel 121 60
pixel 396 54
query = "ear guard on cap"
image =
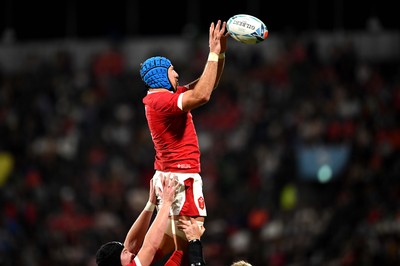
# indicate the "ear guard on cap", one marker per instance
pixel 154 72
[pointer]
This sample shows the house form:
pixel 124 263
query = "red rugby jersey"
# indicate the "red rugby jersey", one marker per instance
pixel 173 133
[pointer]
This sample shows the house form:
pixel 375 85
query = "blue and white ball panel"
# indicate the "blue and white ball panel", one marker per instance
pixel 247 29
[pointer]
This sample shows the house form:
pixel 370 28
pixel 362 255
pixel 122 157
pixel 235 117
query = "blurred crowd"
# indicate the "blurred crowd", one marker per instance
pixel 76 158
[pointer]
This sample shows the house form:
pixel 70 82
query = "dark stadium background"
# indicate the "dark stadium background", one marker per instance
pixel 300 142
pixel 93 19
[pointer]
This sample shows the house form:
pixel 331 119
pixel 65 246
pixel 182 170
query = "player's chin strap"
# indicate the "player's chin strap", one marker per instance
pixel 173 231
pixel 173 224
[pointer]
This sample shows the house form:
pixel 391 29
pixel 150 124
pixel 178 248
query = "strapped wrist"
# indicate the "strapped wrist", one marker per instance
pixel 195 251
pixel 212 57
pixel 149 206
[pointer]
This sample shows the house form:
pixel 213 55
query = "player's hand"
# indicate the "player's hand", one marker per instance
pixel 217 31
pixel 169 188
pixel 191 229
pixel 224 38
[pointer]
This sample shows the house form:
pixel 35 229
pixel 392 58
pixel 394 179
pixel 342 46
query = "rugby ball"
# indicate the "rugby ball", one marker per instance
pixel 247 29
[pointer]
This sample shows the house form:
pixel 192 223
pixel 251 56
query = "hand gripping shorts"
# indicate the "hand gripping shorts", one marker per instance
pixel 189 199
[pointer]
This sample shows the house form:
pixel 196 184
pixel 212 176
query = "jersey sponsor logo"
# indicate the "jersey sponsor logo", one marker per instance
pixel 184 166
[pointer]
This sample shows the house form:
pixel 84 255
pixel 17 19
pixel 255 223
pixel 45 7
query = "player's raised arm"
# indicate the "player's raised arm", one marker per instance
pixel 154 236
pixel 200 91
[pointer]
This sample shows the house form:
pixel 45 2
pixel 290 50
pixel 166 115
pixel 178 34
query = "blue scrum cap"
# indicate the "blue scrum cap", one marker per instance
pixel 154 72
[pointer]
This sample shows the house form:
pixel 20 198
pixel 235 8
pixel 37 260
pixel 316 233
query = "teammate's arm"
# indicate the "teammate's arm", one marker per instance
pixel 135 236
pixel 154 236
pixel 193 233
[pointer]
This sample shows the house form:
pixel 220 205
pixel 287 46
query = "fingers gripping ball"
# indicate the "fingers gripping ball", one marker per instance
pixel 154 72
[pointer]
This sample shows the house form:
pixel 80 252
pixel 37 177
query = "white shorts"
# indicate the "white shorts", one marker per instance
pixel 189 199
